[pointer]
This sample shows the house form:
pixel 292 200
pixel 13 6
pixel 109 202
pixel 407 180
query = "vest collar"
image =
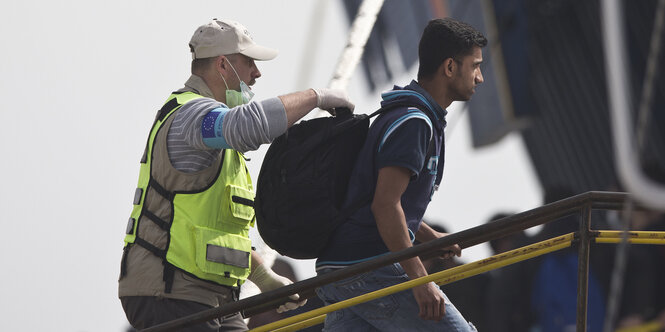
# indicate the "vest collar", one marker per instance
pixel 197 85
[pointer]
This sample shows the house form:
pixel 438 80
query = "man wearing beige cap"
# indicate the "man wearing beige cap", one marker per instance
pixel 187 247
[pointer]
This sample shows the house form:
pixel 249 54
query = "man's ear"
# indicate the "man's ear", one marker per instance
pixel 221 63
pixel 447 67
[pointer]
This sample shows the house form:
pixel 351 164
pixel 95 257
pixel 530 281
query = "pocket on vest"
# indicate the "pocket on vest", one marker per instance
pixel 223 254
pixel 241 205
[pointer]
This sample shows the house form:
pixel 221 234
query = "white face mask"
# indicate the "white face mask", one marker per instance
pixel 235 98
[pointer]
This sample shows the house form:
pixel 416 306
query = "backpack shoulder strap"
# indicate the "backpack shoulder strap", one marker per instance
pixel 423 109
pixel 391 107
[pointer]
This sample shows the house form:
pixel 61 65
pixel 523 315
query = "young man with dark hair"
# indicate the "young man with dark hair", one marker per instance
pixel 400 167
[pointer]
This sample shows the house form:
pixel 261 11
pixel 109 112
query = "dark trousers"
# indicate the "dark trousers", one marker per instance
pixel 146 311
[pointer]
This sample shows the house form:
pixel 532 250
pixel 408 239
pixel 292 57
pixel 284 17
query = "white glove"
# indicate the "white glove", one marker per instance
pixel 327 99
pixel 268 280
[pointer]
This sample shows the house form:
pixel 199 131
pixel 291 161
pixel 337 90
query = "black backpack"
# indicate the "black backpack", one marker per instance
pixel 303 181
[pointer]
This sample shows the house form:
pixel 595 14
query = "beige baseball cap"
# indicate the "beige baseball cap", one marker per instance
pixel 222 37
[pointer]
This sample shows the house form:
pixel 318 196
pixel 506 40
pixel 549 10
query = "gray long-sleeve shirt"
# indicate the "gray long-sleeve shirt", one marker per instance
pixel 244 127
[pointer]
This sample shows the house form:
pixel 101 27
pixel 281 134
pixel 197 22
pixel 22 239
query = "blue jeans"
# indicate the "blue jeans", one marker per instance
pixel 395 312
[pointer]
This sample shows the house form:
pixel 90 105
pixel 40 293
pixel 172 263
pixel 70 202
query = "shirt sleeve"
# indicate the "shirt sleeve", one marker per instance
pixel 206 124
pixel 405 144
pixel 248 126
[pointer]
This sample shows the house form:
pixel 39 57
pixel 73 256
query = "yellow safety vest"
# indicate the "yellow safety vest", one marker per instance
pixel 206 228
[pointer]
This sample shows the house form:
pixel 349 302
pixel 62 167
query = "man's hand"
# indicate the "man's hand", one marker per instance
pixel 452 251
pixel 327 99
pixel 430 301
pixel 267 280
pixel 427 233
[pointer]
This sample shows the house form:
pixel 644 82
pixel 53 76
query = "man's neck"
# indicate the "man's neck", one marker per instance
pixel 438 91
pixel 210 82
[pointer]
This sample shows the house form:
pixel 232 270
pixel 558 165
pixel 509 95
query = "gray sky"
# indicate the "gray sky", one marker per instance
pixel 81 81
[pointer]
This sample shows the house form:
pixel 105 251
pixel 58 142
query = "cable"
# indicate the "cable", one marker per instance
pixel 650 75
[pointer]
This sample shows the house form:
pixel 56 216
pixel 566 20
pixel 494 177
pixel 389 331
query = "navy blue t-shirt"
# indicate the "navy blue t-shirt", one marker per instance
pixel 405 147
pixel 403 137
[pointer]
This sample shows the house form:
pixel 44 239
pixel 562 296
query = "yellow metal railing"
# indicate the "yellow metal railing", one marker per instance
pixel 653 326
pixel 317 316
pixel 633 237
pixel 581 204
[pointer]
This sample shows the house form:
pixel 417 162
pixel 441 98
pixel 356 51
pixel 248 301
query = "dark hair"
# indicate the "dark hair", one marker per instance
pixel 513 241
pixel 445 38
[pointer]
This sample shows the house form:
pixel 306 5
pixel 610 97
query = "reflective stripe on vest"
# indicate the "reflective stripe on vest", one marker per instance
pixel 208 230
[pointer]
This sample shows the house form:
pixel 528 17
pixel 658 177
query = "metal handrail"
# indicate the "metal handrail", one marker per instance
pixel 447 276
pixel 457 273
pixel 467 238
